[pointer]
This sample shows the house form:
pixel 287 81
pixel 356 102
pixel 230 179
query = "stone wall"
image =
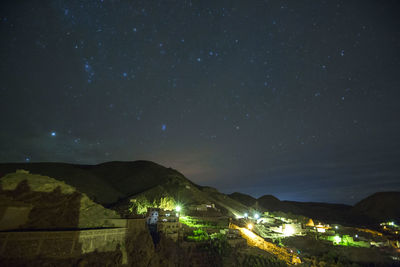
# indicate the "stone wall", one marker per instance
pixel 170 229
pixel 13 217
pixel 67 244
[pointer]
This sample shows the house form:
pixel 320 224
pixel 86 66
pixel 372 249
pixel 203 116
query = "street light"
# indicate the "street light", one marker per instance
pixel 289 230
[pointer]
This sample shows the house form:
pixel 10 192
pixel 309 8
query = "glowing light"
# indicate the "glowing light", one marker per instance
pixel 336 227
pixel 53 134
pixel 178 208
pixel 289 230
pixel 356 236
pixel 246 215
pixel 256 216
pixel 337 239
pixel 321 230
pixel 250 226
pixel 310 223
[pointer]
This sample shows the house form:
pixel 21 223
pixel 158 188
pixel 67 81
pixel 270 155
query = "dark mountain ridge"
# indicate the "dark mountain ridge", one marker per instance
pixel 112 182
pixel 374 209
pixel 105 182
pixel 384 206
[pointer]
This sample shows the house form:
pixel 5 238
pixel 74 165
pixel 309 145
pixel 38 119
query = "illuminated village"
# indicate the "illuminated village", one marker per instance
pixel 195 133
pixel 217 232
pixel 152 228
pixel 278 235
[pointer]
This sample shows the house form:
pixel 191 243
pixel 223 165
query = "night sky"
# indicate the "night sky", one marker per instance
pixel 299 99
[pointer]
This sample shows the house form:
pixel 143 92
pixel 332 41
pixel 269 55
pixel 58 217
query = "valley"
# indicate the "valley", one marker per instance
pixel 143 214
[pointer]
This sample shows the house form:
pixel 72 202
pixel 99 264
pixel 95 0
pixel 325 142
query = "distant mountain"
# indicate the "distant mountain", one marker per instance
pixel 243 198
pixel 370 211
pixel 114 183
pixel 271 203
pixel 331 213
pixel 380 207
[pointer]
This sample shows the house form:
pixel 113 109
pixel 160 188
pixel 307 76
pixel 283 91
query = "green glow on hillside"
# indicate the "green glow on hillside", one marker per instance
pixel 196 223
pixel 346 240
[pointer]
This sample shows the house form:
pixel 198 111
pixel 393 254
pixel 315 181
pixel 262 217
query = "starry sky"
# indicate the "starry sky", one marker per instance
pixel 299 99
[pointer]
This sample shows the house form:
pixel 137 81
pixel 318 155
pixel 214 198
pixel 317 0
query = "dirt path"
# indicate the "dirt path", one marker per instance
pixel 257 241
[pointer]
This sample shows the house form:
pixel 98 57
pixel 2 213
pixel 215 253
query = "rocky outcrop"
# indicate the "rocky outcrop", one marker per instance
pixel 52 204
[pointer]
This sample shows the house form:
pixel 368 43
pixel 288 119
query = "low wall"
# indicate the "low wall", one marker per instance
pixel 13 217
pixel 134 225
pixel 66 244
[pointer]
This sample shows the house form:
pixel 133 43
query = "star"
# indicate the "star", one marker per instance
pixel 125 70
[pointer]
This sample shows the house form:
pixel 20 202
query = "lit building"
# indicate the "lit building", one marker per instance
pixel 164 221
pixel 202 207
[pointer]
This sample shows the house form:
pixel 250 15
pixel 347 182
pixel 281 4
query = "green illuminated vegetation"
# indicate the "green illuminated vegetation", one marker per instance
pixel 141 204
pixel 197 222
pixel 198 235
pixel 346 240
pixel 205 214
pixel 166 203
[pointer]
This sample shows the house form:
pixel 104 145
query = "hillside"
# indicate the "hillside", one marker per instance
pixel 79 176
pixel 380 207
pixel 106 182
pixel 46 203
pixel 115 183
